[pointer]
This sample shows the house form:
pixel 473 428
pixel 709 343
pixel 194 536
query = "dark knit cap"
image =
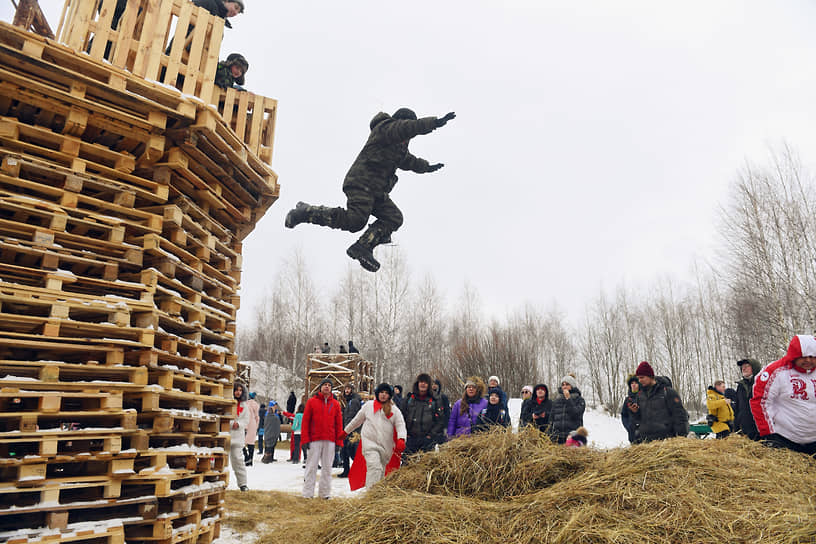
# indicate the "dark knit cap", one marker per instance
pixel 644 369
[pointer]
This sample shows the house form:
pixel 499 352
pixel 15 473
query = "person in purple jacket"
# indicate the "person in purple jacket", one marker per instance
pixel 465 411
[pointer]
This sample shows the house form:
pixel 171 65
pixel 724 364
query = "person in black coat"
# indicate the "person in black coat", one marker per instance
pixel 743 418
pixel 444 402
pixel 352 404
pixel 422 412
pixel 291 402
pixel 261 419
pixel 398 396
pixel 536 410
pixel 659 412
pixel 626 414
pixel 567 410
pixel 352 348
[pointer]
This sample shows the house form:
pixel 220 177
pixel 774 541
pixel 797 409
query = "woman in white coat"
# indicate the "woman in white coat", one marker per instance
pixel 238 436
pixel 382 438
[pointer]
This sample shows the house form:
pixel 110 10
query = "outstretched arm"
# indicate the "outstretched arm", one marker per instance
pixel 418 165
pixel 400 130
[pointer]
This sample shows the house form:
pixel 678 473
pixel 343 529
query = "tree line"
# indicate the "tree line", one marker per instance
pixel 748 302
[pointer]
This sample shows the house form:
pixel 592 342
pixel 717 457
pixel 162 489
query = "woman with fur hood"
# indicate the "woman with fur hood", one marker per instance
pixel 382 439
pixel 465 411
pixel 567 410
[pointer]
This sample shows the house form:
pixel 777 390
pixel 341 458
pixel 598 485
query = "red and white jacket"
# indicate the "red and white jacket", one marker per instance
pixel 784 399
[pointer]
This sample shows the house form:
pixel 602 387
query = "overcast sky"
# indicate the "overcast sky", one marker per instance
pixel 593 142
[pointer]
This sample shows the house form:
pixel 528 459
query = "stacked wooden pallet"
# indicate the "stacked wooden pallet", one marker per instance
pixel 123 204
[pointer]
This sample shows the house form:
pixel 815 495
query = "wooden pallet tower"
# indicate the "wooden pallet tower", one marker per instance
pixel 341 369
pixel 127 184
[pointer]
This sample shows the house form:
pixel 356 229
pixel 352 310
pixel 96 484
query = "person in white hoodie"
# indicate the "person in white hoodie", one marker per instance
pixel 382 439
pixel 238 436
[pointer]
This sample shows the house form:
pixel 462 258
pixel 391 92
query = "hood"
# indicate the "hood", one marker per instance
pixel 755 366
pixel 801 345
pixel 630 379
pixel 665 381
pixel 439 385
pixel 539 386
pixel 377 119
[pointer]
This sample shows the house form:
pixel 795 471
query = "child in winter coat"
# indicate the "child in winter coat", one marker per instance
pixel 577 438
pixel 494 414
pixel 465 411
pixel 382 439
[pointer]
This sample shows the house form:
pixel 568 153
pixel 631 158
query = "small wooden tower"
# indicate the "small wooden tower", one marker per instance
pixel 127 184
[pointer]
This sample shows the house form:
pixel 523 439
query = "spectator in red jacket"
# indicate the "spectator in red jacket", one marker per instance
pixel 320 432
pixel 784 399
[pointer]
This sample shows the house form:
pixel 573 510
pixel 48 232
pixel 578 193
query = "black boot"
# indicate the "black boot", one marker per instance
pixel 304 213
pixel 359 252
pixel 363 249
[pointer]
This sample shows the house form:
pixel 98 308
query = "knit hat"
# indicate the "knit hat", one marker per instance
pixel 528 388
pixel 469 382
pixel 494 391
pixel 325 380
pixel 252 395
pixel 644 369
pixel 570 380
pixel 384 387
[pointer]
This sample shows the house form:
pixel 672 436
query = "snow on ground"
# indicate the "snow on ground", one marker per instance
pixel 605 432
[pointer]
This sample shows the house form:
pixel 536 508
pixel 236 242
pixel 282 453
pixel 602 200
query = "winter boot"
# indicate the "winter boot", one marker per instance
pixel 304 213
pixel 359 252
pixel 267 458
pixel 363 249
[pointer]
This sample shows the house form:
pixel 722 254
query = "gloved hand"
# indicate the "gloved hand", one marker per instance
pixel 343 435
pixel 440 121
pixel 399 447
pixel 305 446
pixel 435 167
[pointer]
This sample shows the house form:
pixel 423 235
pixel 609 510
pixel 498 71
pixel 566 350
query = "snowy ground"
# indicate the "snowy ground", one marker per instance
pixel 604 432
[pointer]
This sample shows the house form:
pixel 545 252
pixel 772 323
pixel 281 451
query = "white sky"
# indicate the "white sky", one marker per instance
pixel 593 142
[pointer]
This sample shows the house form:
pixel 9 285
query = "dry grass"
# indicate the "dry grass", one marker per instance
pixel 519 488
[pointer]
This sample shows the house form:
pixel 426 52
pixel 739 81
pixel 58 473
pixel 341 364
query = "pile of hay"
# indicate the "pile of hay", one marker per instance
pixel 519 488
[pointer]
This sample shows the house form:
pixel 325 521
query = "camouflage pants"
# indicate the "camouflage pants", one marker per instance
pixel 361 203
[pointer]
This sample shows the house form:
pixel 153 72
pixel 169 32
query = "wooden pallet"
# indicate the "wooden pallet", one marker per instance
pixel 26 347
pixel 139 42
pixel 203 440
pixel 98 513
pixel 101 81
pixel 13 422
pixel 180 421
pixel 80 533
pixel 186 355
pixel 177 459
pixel 13 399
pixel 32 471
pixel 77 442
pixel 251 116
pixel 155 399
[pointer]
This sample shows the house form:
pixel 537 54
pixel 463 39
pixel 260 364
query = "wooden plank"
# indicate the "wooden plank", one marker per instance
pixel 174 59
